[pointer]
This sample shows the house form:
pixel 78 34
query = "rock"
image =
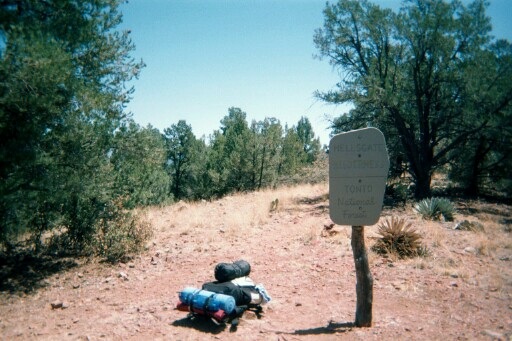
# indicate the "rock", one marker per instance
pixel 467 225
pixel 470 249
pixel 56 304
pixel 123 275
pixel 493 334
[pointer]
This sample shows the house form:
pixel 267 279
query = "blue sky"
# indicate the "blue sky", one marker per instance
pixel 205 56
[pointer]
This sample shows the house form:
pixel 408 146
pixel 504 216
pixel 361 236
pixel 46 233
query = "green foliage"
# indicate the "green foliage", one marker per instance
pixel 434 208
pixel 246 158
pixel 311 146
pixel 430 77
pixel 230 163
pixel 265 152
pixel 397 191
pixel 183 152
pixel 62 90
pixel 292 155
pixel 397 237
pixel 138 158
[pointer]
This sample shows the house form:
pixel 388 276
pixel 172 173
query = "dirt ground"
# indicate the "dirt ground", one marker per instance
pixel 461 291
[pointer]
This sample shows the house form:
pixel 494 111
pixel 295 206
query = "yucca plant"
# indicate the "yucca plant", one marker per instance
pixel 434 208
pixel 398 237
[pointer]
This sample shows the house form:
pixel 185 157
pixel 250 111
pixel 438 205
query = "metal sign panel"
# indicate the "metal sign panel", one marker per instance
pixel 358 169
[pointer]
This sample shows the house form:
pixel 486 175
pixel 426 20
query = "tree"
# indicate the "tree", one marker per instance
pixel 412 75
pixel 182 150
pixel 266 136
pixel 231 152
pixel 311 146
pixel 292 156
pixel 138 158
pixel 62 91
pixel 484 161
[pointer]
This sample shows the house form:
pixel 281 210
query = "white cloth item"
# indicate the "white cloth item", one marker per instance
pixel 243 282
pixel 263 292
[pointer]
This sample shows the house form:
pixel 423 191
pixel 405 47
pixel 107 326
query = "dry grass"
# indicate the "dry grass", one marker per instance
pixel 208 226
pixel 233 216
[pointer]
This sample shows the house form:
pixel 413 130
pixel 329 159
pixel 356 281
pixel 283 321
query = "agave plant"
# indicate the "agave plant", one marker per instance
pixel 398 237
pixel 434 208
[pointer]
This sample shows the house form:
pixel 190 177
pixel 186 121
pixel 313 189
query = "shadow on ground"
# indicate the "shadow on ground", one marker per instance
pixel 23 272
pixel 331 328
pixel 200 323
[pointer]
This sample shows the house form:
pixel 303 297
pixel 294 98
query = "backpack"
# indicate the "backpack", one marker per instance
pixel 231 280
pixel 244 292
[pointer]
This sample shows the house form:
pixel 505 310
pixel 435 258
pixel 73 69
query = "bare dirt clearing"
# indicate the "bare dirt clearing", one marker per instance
pixel 462 290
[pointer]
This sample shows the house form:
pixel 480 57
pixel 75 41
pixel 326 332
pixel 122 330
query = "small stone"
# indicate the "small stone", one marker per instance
pixel 123 275
pixel 76 285
pixel 493 334
pixel 470 249
pixel 56 304
pixel 454 284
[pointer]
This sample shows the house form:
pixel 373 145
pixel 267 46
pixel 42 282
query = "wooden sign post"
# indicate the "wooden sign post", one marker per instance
pixel 358 169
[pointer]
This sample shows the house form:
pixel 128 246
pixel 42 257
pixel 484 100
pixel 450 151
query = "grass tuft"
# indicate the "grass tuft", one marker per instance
pixel 397 237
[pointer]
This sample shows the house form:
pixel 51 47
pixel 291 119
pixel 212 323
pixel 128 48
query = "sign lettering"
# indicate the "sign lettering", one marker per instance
pixel 358 167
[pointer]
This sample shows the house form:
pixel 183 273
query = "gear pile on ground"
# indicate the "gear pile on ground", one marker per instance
pixel 226 299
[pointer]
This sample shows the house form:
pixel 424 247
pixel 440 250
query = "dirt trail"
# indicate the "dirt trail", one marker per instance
pixel 462 290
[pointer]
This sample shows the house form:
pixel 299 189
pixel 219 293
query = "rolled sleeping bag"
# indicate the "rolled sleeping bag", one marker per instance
pixel 207 301
pixel 225 272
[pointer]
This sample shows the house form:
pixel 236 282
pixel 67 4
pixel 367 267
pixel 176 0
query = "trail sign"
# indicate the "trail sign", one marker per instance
pixel 358 169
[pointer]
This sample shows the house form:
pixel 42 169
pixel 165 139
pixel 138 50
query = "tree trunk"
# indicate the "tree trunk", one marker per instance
pixel 472 185
pixel 364 284
pixel 422 186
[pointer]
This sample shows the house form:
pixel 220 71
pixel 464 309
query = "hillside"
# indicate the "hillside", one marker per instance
pixel 461 290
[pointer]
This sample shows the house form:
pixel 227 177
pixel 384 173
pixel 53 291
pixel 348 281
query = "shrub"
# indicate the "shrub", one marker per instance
pixel 399 238
pixel 434 208
pixel 121 236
